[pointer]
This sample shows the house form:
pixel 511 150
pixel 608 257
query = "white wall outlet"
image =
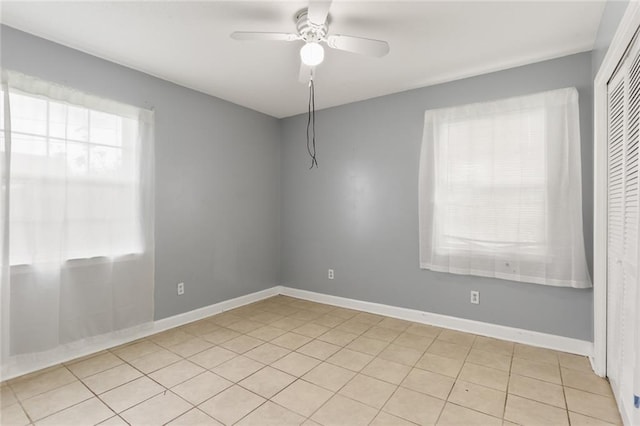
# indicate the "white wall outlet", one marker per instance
pixel 475 297
pixel 330 274
pixel 180 289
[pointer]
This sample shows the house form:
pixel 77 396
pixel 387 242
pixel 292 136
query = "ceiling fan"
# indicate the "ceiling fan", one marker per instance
pixel 312 27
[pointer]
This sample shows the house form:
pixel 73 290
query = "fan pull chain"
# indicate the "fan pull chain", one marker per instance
pixel 311 124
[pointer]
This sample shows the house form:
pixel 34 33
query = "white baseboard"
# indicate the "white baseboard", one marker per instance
pixel 24 364
pixel 534 338
pixel 27 364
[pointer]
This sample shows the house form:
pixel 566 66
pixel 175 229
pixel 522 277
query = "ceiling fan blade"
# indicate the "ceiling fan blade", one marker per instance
pixel 318 11
pixel 363 46
pixel 305 73
pixel 248 35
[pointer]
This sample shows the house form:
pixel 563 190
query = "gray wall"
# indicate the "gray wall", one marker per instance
pixel 217 175
pixel 358 213
pixel 613 12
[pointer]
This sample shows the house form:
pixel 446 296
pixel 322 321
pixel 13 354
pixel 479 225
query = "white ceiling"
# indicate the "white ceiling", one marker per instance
pixel 431 42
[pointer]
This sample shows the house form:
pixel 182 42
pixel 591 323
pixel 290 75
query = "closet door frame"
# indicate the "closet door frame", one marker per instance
pixel 624 35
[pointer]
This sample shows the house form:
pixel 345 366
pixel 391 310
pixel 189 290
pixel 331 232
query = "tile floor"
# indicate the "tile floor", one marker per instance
pixel 284 361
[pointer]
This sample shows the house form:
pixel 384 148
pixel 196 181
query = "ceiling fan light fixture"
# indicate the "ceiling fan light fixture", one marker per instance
pixel 312 54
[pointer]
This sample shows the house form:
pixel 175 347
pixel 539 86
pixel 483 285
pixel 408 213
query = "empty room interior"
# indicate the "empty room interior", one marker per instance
pixel 347 212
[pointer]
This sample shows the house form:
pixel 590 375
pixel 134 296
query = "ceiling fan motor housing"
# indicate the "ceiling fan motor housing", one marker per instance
pixel 309 31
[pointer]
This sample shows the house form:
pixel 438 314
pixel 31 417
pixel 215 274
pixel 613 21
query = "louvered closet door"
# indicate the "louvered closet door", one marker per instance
pixel 623 222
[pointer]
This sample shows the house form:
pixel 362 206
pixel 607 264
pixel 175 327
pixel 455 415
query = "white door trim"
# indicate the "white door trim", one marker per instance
pixel 626 30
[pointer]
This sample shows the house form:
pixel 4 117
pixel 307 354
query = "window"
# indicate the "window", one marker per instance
pixel 500 190
pixel 75 180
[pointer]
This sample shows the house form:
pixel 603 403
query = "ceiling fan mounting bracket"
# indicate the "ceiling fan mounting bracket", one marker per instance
pixel 309 31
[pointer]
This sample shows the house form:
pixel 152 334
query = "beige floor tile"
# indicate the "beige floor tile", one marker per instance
pixel 368 318
pixel 489 359
pixel 394 324
pixel 433 384
pixel 267 333
pixel 194 417
pixel 224 319
pixel 242 344
pixel 89 412
pixel 548 372
pixel 136 350
pixel 586 381
pixel 575 362
pixel 329 376
pixel 414 341
pixel 158 410
pixel 338 337
pixel 200 328
pixel 114 421
pixel 388 371
pixel 220 336
pixel 55 400
pixel 344 313
pixel 592 405
pixel 453 414
pixel 302 397
pixel 287 323
pixel 36 384
pixel 176 373
pixel 527 412
pixel 13 415
pixel 237 368
pixel 381 333
pixel 457 337
pixel 267 353
pixel 367 345
pixel 311 330
pixel 494 346
pixel 318 349
pixel 424 330
pixel 368 390
pixel 170 337
pixel 339 411
pixel 479 398
pixel 576 419
pixel 111 378
pixel 94 364
pixel 354 327
pixel 231 405
pixel 190 347
pixel 485 376
pixel 401 354
pixel 386 419
pixel 7 397
pixel 537 390
pixel 212 357
pixel 328 320
pixel 349 359
pixel 295 364
pixel 270 414
pixel 267 382
pixel 440 364
pixel 310 422
pixel 245 326
pixel 305 315
pixel 266 317
pixel 130 394
pixel 291 341
pixel 536 354
pixel 414 406
pixel 155 361
pixel 202 387
pixel 448 350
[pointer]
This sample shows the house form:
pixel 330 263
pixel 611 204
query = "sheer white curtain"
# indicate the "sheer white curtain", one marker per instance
pixel 500 190
pixel 77 219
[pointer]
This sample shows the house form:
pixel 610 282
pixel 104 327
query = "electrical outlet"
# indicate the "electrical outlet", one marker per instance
pixel 330 274
pixel 475 297
pixel 180 289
